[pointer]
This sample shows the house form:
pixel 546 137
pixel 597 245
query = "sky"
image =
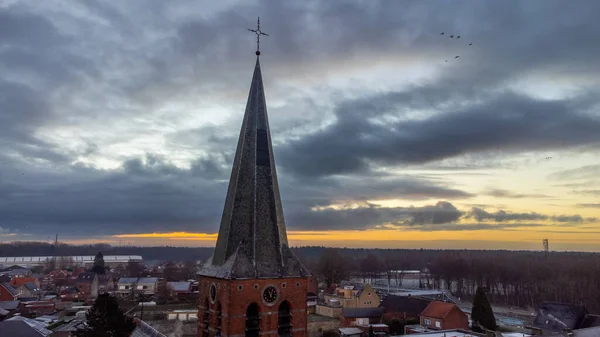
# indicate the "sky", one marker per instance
pixel 119 119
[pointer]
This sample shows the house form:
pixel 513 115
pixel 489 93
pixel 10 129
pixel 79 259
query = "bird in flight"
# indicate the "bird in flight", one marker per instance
pixel 456 56
pixel 458 37
pixel 470 44
pixel 451 36
pixel 442 33
pixel 548 158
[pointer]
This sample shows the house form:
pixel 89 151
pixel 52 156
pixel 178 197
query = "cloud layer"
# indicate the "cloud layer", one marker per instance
pixel 115 123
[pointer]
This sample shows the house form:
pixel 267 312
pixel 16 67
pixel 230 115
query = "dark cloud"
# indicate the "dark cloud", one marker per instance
pixel 509 122
pixel 369 215
pixel 589 205
pixel 501 216
pixel 499 193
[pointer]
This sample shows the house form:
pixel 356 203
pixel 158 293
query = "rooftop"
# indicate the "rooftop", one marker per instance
pixel 438 309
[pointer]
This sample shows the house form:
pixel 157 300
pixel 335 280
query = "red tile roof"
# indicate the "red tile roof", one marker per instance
pixel 438 309
pixel 20 281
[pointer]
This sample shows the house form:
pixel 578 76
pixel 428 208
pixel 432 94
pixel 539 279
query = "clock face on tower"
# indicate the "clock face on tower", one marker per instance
pixel 270 295
pixel 213 293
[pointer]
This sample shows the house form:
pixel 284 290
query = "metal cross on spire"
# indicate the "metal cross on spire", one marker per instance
pixel 258 33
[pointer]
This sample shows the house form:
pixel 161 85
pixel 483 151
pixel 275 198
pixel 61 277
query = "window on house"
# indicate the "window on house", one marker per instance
pixel 438 324
pixel 240 288
pixel 144 287
pixel 427 322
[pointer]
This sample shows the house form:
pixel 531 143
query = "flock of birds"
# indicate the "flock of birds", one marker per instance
pixel 456 38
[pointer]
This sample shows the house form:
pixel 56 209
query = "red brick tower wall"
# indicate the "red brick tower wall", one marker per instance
pixel 236 295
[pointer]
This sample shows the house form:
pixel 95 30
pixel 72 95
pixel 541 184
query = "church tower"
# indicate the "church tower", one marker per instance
pixel 253 285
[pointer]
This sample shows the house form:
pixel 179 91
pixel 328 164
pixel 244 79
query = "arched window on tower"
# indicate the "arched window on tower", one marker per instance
pixel 284 320
pixel 205 318
pixel 219 319
pixel 252 320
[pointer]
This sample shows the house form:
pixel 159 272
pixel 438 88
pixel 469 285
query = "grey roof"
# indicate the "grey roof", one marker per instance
pixel 23 327
pixel 362 312
pixel 555 316
pixel 147 280
pixel 179 286
pixel 252 241
pixel 10 289
pixel 127 280
pixel 9 305
pixel 143 329
pixel 404 304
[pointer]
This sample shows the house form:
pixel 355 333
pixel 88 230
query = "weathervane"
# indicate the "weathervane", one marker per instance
pixel 258 33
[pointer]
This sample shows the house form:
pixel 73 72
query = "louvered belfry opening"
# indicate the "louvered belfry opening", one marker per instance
pixel 252 320
pixel 284 320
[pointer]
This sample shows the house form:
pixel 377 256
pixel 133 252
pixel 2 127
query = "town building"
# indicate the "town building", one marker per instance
pixel 403 308
pixel 130 286
pixel 353 295
pixel 360 316
pixel 8 293
pixel 441 316
pixel 88 283
pixel 253 285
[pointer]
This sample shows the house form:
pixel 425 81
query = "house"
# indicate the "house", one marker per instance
pixel 18 282
pixel 37 308
pixel 147 285
pixel 53 277
pixel 444 316
pixel 126 286
pixel 105 284
pixel 8 293
pixel 23 327
pixel 403 308
pixel 360 316
pixel 180 288
pixel 16 271
pixel 556 316
pixel 88 283
pixel 29 289
pixel 353 295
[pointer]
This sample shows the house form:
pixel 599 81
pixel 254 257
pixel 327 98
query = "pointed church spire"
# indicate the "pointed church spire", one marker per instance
pixel 252 241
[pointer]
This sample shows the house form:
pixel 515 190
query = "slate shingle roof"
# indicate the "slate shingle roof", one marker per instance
pixel 252 240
